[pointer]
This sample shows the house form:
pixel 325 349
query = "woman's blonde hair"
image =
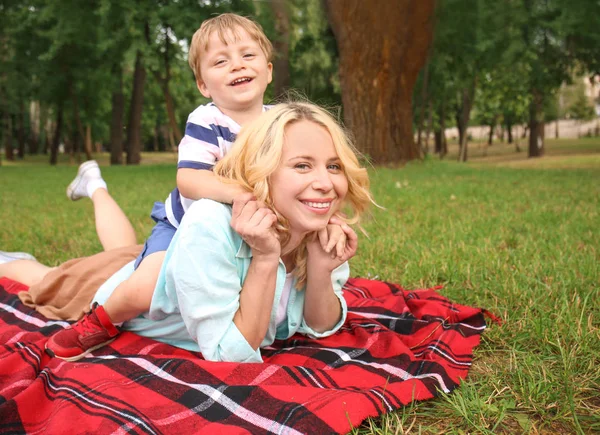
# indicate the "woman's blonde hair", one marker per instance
pixel 256 154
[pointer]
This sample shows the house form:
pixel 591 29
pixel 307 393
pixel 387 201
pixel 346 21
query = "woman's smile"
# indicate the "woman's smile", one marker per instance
pixel 309 185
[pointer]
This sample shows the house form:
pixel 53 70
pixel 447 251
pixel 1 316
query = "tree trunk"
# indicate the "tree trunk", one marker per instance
pixel 116 122
pixel 463 119
pixel 444 149
pixel 509 132
pixel 424 98
pixel 536 125
pixel 88 137
pixel 491 133
pixel 57 135
pixel 171 113
pixel 556 133
pixel 281 44
pixel 429 128
pixel 382 44
pixel 79 127
pixel 134 127
pixel 8 149
pixel 164 85
pixel 21 130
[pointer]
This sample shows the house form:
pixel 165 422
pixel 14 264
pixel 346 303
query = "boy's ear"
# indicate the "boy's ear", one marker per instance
pixel 270 72
pixel 202 88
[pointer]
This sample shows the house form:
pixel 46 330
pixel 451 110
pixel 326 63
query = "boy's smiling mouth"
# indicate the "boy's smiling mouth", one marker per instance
pixel 240 81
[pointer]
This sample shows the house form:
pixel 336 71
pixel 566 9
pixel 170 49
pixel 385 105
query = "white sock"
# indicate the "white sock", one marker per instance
pixel 94 184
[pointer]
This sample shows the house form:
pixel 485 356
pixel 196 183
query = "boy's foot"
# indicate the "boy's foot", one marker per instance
pixel 88 179
pixel 7 257
pixel 93 331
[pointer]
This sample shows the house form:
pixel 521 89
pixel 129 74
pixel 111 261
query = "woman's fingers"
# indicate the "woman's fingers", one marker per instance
pixel 323 238
pixel 351 242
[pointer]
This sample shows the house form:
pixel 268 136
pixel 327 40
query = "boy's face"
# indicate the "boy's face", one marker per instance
pixel 234 75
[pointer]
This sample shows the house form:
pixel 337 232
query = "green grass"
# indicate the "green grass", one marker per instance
pixel 521 241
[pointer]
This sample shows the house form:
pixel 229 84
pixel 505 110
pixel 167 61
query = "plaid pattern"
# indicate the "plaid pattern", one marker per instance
pixel 395 347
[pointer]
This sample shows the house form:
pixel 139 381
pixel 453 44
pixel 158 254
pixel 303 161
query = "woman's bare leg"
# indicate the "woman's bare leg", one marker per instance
pixel 28 272
pixel 112 225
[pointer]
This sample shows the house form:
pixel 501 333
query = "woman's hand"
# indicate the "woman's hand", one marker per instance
pixel 255 222
pixel 332 238
pixel 318 257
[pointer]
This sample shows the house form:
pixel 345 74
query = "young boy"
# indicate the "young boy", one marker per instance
pixel 230 56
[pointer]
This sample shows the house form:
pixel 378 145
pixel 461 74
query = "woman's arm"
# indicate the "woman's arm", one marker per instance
pixel 323 305
pixel 203 278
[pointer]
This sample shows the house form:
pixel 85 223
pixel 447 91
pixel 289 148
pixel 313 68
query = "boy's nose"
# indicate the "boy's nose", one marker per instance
pixel 236 63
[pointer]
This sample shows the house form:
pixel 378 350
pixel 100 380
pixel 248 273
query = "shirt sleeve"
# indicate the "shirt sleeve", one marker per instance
pixel 199 148
pixel 203 274
pixel 339 276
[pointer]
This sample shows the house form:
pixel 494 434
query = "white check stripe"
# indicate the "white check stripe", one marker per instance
pixel 264 375
pixel 32 320
pixel 84 398
pixel 215 396
pixel 311 376
pixel 402 374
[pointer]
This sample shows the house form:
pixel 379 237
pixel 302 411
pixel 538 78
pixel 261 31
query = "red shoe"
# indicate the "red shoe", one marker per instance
pixel 93 331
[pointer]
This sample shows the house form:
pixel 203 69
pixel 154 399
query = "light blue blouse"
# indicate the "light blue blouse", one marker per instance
pixel 198 291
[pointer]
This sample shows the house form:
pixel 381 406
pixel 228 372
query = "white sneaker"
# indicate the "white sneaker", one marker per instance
pixel 87 172
pixel 7 257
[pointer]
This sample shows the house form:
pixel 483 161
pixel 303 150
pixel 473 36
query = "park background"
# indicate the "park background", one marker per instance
pixel 479 120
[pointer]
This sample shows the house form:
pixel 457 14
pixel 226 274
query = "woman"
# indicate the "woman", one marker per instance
pixel 237 278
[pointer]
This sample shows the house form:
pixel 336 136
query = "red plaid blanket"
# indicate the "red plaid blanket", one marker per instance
pixel 396 346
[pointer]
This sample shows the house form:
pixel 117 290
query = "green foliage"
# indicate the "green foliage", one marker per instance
pixel 513 50
pixel 580 107
pixel 70 52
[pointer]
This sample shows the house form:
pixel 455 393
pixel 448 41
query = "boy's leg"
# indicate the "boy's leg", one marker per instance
pixel 28 272
pixel 133 297
pixel 96 329
pixel 113 228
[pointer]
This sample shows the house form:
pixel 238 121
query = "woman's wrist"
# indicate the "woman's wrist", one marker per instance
pixel 266 259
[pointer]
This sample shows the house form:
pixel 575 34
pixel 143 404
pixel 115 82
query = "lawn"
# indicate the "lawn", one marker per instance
pixel 519 237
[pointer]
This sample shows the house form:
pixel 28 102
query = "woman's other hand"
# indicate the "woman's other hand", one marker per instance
pixel 318 257
pixel 252 220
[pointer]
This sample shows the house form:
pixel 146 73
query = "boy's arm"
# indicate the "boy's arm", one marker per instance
pixel 198 183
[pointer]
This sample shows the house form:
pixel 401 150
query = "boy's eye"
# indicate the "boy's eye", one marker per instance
pixel 249 55
pixel 219 62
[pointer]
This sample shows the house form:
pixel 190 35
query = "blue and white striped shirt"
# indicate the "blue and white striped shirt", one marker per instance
pixel 209 135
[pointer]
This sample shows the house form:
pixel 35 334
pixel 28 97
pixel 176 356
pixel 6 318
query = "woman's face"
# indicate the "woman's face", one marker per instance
pixel 309 185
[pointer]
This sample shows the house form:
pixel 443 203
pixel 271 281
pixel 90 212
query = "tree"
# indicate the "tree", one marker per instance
pixel 281 45
pixel 382 44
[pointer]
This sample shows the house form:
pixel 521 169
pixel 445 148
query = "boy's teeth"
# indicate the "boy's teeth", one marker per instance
pixel 317 204
pixel 235 82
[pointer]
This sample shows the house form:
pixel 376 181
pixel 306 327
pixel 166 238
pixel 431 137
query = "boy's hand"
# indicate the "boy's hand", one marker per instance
pixel 333 238
pixel 318 257
pixel 256 224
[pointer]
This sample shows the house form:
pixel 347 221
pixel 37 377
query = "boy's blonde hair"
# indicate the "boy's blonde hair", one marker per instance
pixel 257 152
pixel 225 25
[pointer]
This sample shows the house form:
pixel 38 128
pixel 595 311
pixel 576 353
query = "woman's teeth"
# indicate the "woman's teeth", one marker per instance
pixel 317 204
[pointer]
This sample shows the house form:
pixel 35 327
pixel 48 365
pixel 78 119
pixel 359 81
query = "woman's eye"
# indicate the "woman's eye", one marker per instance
pixel 334 167
pixel 302 166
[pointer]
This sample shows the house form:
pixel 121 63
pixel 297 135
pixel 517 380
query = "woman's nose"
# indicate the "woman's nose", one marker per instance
pixel 322 181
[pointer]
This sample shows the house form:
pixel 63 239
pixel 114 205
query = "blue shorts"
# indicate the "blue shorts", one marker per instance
pixel 161 235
